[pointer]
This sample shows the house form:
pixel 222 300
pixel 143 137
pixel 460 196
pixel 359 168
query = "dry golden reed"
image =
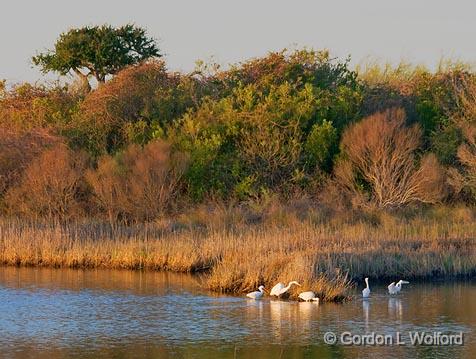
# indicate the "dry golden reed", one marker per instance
pixel 325 257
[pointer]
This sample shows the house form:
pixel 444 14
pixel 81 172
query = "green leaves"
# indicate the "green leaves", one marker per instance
pixel 321 145
pixel 97 51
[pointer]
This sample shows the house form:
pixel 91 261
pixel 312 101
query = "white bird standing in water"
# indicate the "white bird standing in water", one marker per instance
pixel 366 290
pixel 309 296
pixel 279 289
pixel 392 289
pixel 258 294
pixel 398 286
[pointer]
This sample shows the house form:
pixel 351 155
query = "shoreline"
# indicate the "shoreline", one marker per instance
pixel 326 258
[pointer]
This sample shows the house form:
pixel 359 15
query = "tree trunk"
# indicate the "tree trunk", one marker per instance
pixel 84 84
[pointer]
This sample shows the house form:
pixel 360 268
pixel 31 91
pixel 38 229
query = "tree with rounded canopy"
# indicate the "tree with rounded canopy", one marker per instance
pixel 97 51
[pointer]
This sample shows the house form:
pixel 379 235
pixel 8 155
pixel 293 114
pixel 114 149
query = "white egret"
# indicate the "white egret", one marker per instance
pixel 392 289
pixel 366 290
pixel 399 285
pixel 279 289
pixel 308 296
pixel 396 288
pixel 258 294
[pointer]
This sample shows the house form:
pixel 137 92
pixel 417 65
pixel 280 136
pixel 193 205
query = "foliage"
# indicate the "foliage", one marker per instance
pixel 255 136
pixel 26 107
pixel 289 124
pixel 134 107
pixel 97 51
pixel 321 145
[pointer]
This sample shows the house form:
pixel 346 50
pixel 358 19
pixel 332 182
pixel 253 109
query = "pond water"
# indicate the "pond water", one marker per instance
pixel 59 313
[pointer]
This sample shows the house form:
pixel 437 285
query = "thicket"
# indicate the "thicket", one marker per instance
pixel 150 141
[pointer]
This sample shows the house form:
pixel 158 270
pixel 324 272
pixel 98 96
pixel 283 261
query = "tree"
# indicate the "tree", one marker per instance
pixel 97 51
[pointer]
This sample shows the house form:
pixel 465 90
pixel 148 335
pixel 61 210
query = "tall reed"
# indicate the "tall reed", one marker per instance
pixel 323 256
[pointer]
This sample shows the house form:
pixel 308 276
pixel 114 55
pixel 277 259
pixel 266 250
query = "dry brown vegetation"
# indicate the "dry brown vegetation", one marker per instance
pixel 327 256
pixel 379 166
pixel 140 183
pixel 29 107
pixel 462 177
pixel 51 186
pixel 17 150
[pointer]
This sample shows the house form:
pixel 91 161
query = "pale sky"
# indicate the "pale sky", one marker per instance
pixel 420 31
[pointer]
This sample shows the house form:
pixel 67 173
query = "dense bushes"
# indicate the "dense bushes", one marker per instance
pixel 120 111
pixel 150 140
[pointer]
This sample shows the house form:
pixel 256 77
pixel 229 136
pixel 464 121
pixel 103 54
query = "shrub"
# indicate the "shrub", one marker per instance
pixel 321 145
pixel 300 67
pixel 272 130
pixel 138 184
pixel 379 168
pixel 51 186
pixel 110 117
pixel 462 176
pixel 17 150
pixel 246 141
pixel 463 179
pixel 27 107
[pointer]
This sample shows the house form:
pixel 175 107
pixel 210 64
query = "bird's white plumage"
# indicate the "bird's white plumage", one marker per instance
pixel 392 289
pixel 309 296
pixel 398 286
pixel 366 290
pixel 280 289
pixel 257 294
pixel 277 289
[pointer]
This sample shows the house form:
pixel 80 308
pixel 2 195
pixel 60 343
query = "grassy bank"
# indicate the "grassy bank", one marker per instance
pixel 326 256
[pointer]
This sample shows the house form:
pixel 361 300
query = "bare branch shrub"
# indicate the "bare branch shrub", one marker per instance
pixel 462 177
pixel 17 150
pixel 379 166
pixel 140 183
pixel 51 186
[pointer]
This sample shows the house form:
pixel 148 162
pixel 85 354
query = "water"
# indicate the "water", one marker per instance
pixel 48 313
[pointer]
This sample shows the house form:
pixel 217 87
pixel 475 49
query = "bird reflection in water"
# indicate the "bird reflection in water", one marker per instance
pixel 395 308
pixel 366 310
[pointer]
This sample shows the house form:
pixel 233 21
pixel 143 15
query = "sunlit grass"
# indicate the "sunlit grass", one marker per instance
pixel 324 256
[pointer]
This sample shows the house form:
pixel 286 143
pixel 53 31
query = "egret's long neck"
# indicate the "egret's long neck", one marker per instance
pixel 289 286
pixel 367 282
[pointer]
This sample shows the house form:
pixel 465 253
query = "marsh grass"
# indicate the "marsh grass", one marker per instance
pixel 328 256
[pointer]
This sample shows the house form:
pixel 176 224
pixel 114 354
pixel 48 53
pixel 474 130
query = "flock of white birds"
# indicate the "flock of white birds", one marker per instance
pixel 280 289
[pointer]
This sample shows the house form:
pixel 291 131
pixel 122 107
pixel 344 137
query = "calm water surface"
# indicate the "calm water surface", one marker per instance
pixel 48 313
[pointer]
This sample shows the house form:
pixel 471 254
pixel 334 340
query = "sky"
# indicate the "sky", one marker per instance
pixel 419 31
